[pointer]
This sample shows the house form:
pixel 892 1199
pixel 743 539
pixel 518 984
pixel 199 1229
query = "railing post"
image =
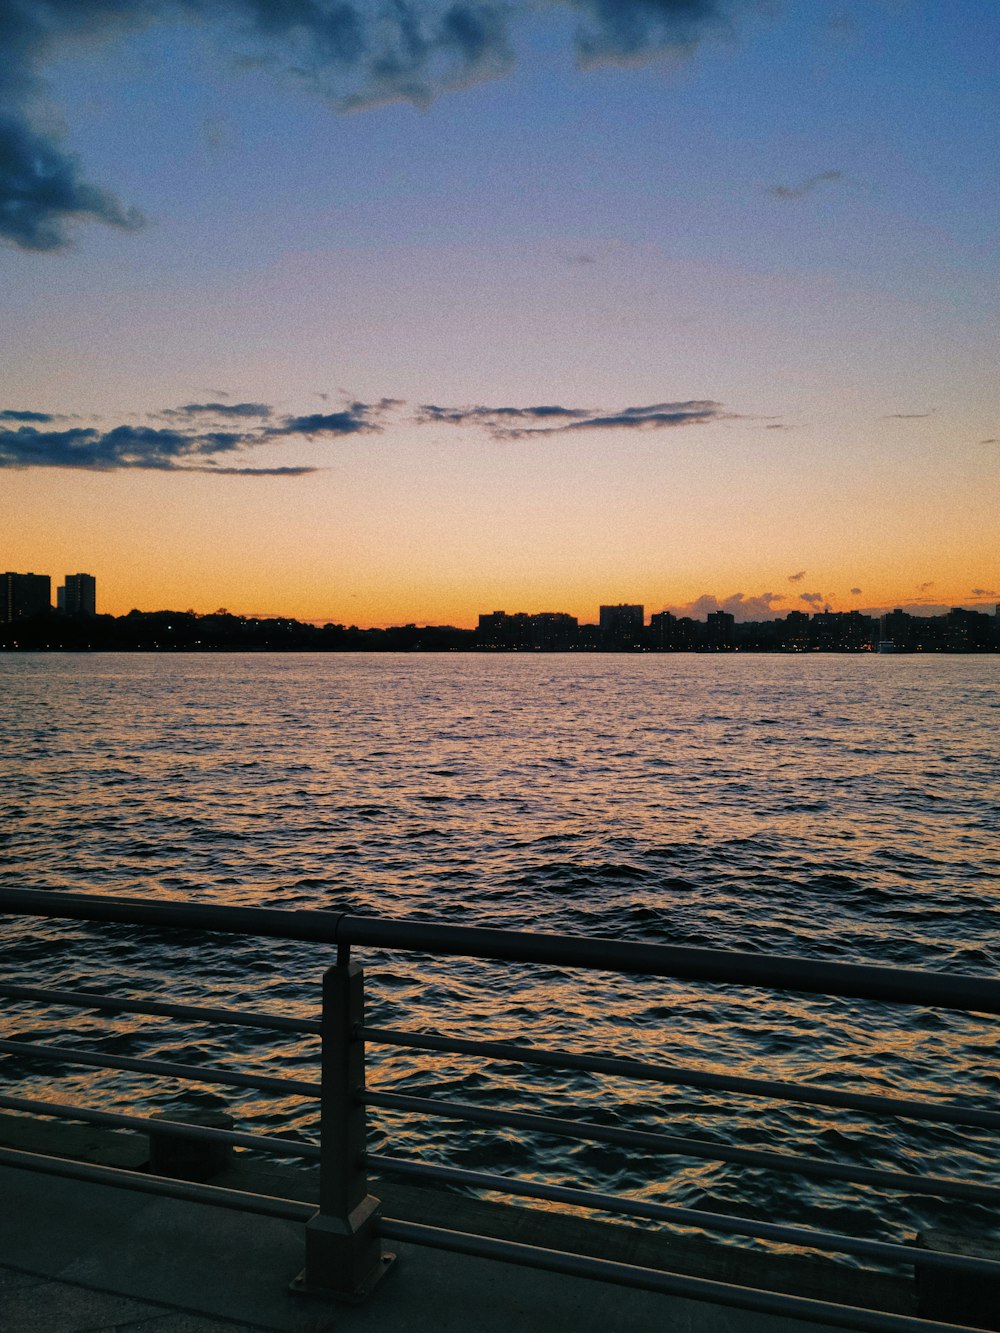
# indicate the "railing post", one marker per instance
pixel 344 1257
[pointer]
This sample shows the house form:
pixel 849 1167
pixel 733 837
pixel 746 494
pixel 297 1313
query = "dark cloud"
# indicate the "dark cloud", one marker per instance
pixel 431 413
pixel 985 592
pixel 253 471
pixel 120 447
pixel 9 414
pixel 797 578
pixel 805 187
pixel 630 30
pixel 134 447
pixel 992 440
pixel 813 598
pixel 907 416
pixel 355 53
pixel 189 446
pixel 518 423
pixel 655 417
pixel 42 190
pixel 855 592
pixel 219 410
pixel 199 436
pixel 357 419
pixel 925 587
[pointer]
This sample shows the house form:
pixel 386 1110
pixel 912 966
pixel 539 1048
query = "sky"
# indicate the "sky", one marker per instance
pixel 378 312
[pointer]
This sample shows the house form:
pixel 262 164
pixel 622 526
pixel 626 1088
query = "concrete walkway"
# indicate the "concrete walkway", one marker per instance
pixel 33 1304
pixel 82 1257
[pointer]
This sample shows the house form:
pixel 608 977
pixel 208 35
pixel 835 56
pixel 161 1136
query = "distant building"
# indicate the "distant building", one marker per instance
pixel 663 630
pixel 622 626
pixel 720 629
pixel 500 630
pixel 546 631
pixel 78 596
pixel 796 631
pixel 23 596
pixel 553 631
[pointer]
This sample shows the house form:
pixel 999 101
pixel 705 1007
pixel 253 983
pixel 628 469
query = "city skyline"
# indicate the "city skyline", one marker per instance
pixel 692 304
pixel 25 596
pixel 77 596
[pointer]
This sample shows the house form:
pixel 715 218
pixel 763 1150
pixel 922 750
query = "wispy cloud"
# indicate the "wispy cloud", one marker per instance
pixel 985 592
pixel 357 419
pixel 243 410
pixel 626 31
pixel 797 578
pixel 805 187
pixel 354 53
pixel 855 592
pixel 501 419
pixel 518 423
pixel 126 446
pixel 207 436
pixel 925 587
pixel 907 416
pixel 10 414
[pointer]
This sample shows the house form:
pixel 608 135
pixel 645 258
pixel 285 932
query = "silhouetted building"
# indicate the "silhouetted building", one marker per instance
pixel 553 631
pixel 622 626
pixel 688 634
pixel 663 630
pixel 78 596
pixel 24 595
pixel 797 630
pixel 967 631
pixel 500 630
pixel 720 629
pixel 842 631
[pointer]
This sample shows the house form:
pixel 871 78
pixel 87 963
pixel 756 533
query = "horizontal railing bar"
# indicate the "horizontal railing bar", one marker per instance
pixel 802 1237
pixel 904 1108
pixel 669 1284
pixel 74 1055
pixel 291 1210
pixel 143 1125
pixel 198 1013
pixel 306 925
pixel 683 1147
pixel 771 971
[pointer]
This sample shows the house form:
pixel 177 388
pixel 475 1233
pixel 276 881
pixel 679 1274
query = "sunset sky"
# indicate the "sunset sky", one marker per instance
pixel 380 312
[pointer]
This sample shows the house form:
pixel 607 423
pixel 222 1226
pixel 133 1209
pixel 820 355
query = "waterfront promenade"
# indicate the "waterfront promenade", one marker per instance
pixel 80 1258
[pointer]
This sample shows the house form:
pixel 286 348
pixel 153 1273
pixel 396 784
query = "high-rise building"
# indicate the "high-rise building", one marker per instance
pixel 553 631
pixel 622 626
pixel 663 630
pixel 720 629
pixel 24 595
pixel 500 630
pixel 78 596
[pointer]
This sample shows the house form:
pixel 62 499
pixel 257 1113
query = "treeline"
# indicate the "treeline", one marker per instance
pixel 185 631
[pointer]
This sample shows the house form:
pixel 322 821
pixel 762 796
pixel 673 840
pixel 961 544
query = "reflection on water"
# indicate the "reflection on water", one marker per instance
pixel 840 807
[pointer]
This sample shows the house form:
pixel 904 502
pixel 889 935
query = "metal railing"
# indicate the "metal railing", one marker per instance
pixel 344 1251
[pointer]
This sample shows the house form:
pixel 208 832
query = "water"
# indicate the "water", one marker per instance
pixel 833 806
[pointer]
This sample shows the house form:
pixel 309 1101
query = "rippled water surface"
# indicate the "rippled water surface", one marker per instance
pixel 834 806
